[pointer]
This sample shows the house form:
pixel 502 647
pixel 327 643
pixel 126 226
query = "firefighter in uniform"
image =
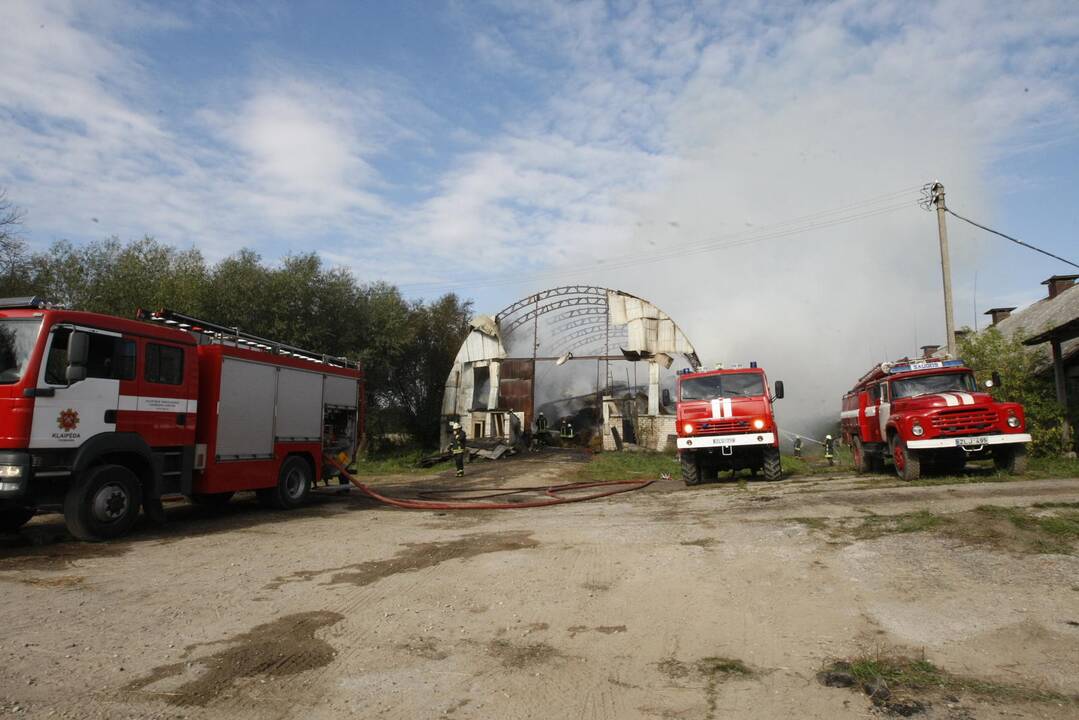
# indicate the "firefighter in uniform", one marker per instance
pixel 457 447
pixel 541 423
pixel 829 449
pixel 798 446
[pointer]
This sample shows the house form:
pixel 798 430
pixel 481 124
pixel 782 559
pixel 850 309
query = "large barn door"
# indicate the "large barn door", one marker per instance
pixel 515 387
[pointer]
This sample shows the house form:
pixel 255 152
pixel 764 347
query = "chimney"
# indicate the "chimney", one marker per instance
pixel 998 314
pixel 1059 283
pixel 928 350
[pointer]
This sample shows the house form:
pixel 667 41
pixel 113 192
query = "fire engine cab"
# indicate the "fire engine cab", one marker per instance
pixel 101 415
pixel 725 422
pixel 929 412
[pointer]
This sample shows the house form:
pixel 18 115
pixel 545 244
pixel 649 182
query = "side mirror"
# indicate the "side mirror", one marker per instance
pixel 778 394
pixel 666 396
pixel 996 380
pixel 78 352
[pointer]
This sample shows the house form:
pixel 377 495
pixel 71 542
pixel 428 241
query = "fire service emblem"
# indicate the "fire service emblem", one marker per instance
pixel 68 420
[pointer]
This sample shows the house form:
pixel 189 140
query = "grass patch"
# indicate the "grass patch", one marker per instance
pixel 875 526
pixel 711 670
pixel 629 465
pixel 813 523
pixel 1045 528
pixel 1053 467
pixel 712 666
pixel 405 463
pixel 810 465
pixel 1038 530
pixel 886 678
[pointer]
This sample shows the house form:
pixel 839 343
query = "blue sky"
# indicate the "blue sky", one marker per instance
pixel 496 148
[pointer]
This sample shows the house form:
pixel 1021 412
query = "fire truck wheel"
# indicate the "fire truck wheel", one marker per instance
pixel 773 465
pixel 691 470
pixel 861 460
pixel 908 465
pixel 13 517
pixel 293 485
pixel 1012 459
pixel 103 503
pixel 212 500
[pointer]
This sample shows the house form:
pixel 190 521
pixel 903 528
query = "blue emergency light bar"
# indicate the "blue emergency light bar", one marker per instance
pixel 931 365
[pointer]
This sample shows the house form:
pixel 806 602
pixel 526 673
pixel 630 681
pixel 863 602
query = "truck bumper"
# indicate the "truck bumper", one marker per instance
pixel 14 474
pixel 968 441
pixel 709 441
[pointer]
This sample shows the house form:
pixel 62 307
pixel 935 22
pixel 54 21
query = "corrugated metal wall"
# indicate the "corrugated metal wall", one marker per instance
pixel 515 388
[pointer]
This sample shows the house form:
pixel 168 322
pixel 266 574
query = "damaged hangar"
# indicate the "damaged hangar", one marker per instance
pixel 567 352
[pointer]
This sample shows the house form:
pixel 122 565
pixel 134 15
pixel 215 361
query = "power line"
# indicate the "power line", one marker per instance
pixel 1017 241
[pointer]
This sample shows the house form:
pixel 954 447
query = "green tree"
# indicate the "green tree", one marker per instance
pixel 14 256
pixel 406 348
pixel 1023 380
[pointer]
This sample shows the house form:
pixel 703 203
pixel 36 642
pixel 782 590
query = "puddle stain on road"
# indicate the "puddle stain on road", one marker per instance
pixel 286 646
pixel 413 557
pixel 31 551
pixel 576 630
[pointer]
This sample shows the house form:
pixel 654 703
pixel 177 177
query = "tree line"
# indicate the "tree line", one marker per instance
pixel 407 347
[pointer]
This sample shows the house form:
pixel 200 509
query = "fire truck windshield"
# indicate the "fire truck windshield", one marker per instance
pixel 715 386
pixel 929 384
pixel 17 338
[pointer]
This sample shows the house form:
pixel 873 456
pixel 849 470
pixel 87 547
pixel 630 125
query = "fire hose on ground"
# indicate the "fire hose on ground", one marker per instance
pixel 555 494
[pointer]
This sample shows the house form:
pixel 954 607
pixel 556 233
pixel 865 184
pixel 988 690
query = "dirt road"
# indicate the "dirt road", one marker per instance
pixel 718 601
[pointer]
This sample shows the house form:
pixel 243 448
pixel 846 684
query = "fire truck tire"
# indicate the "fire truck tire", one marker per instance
pixel 862 462
pixel 773 465
pixel 211 500
pixel 293 485
pixel 691 469
pixel 908 464
pixel 14 517
pixel 1011 459
pixel 103 503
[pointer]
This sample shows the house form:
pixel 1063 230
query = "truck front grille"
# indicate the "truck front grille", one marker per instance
pixel 723 426
pixel 964 422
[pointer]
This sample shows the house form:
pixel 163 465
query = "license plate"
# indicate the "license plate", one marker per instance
pixel 723 441
pixel 971 441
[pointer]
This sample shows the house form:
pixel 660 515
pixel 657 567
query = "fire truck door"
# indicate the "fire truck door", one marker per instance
pixel 76 412
pixel 165 416
pixel 884 411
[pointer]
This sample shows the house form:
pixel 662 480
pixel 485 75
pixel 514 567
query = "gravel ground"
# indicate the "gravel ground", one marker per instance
pixel 617 608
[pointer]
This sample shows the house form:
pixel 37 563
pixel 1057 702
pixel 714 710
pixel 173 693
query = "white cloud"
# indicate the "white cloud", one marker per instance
pixel 669 130
pixel 277 156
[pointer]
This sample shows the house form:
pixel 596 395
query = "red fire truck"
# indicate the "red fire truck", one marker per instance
pixel 725 422
pixel 928 412
pixel 101 415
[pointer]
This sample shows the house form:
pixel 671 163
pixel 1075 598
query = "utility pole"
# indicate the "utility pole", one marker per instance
pixel 945 266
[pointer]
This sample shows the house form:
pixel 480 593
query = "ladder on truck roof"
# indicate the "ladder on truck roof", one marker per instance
pixel 213 332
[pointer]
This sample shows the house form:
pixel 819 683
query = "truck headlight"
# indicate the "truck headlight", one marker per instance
pixel 758 424
pixel 10 471
pixel 688 428
pixel 1013 421
pixel 917 429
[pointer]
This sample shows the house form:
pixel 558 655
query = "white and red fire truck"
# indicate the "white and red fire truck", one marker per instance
pixel 725 422
pixel 929 413
pixel 102 415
